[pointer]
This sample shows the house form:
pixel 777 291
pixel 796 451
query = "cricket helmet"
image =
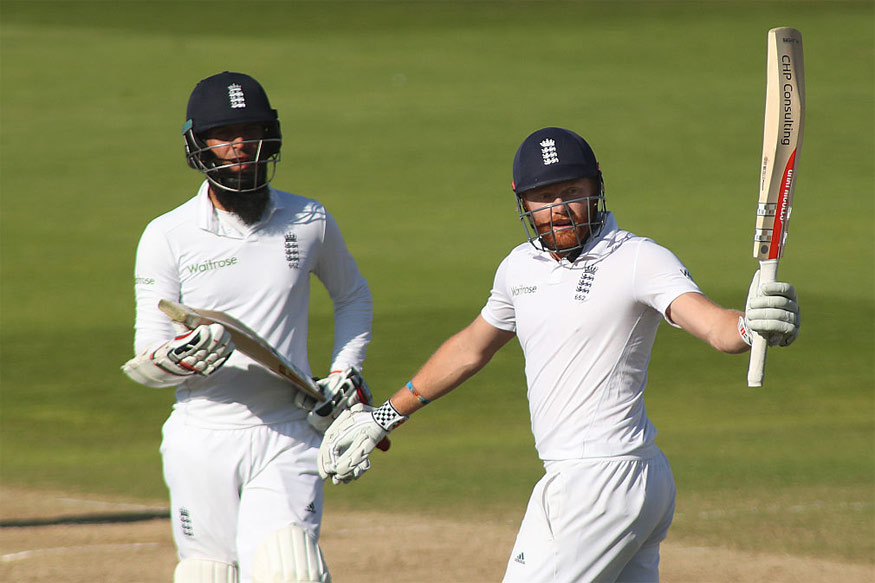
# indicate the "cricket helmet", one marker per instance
pixel 229 99
pixel 549 156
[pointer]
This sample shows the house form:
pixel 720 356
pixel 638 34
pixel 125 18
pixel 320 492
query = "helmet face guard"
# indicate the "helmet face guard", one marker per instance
pixel 549 156
pixel 585 229
pixel 232 99
pixel 244 175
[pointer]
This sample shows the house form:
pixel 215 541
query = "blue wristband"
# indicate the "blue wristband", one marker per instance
pixel 416 394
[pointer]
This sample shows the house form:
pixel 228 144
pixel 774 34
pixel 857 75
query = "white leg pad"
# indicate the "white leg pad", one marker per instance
pixel 204 571
pixel 289 555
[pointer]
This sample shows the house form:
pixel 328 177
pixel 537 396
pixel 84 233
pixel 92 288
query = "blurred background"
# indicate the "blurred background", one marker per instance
pixel 402 118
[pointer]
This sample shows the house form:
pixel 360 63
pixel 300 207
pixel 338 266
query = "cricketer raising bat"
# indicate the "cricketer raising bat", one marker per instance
pixel 782 139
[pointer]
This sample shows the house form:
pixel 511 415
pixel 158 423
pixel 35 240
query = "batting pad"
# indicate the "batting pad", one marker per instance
pixel 204 571
pixel 289 555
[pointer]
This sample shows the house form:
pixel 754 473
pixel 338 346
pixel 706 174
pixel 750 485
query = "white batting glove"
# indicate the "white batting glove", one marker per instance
pixel 342 390
pixel 771 311
pixel 349 441
pixel 199 351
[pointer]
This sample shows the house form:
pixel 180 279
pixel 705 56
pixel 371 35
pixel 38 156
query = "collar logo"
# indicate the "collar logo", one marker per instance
pixel 548 152
pixel 236 97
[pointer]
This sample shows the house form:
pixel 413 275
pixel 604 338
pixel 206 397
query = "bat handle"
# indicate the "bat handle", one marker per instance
pixel 384 444
pixel 757 367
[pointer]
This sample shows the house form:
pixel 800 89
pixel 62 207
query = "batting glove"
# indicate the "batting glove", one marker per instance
pixel 342 390
pixel 771 311
pixel 343 456
pixel 199 351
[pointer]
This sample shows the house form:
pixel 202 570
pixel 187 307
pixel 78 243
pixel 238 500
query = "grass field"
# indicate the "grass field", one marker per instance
pixel 403 119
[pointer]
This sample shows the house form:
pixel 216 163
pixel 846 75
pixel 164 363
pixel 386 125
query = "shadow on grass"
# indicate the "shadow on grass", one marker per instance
pixel 115 518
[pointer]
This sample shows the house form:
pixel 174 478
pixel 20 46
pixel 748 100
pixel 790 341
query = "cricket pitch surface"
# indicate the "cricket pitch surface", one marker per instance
pixel 83 539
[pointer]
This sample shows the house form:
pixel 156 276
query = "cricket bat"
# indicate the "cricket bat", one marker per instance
pixel 782 139
pixel 250 344
pixel 246 341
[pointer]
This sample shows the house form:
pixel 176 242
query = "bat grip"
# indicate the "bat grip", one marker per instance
pixel 757 367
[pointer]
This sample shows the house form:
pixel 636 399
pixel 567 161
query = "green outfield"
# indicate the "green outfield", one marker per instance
pixel 403 119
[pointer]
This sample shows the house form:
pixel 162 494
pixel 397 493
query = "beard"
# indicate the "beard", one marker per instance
pixel 249 206
pixel 563 230
pixel 563 237
pixel 568 229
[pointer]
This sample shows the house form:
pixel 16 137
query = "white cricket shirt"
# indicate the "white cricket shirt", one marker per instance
pixel 259 274
pixel 586 329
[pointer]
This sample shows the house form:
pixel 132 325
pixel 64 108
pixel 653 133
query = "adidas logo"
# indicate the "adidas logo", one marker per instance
pixel 311 507
pixel 520 558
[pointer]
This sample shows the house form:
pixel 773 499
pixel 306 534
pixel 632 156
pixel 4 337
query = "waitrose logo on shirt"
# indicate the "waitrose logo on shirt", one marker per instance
pixel 211 265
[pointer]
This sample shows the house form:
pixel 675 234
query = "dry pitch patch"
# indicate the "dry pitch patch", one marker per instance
pixel 361 547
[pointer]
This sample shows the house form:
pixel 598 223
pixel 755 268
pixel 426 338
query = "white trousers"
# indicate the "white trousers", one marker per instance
pixel 595 520
pixel 230 488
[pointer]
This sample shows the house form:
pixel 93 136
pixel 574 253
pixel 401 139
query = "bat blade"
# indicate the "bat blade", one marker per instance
pixel 246 341
pixel 782 139
pixel 250 344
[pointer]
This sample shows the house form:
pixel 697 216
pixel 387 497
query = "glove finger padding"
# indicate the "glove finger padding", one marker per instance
pixel 342 390
pixel 779 288
pixel 778 302
pixel 354 462
pixel 347 444
pixel 202 350
pixel 335 442
pixel 772 311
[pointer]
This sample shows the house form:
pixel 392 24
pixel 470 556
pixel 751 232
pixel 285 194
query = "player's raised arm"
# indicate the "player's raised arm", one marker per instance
pixel 707 321
pixel 771 310
pixel 349 441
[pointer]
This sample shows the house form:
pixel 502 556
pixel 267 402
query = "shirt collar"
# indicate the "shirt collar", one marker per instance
pixel 207 219
pixel 610 237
